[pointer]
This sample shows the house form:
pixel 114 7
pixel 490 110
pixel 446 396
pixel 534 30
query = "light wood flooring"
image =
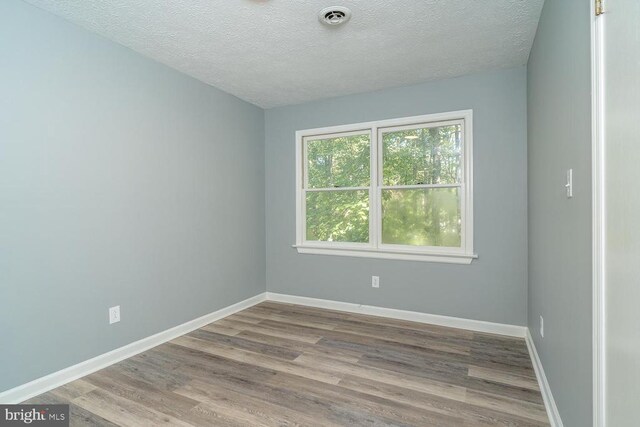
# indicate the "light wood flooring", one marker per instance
pixel 281 364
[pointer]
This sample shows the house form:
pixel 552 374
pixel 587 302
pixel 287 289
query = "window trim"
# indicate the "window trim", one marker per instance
pixel 375 249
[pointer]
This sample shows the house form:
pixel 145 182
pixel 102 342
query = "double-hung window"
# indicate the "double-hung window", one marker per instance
pixel 398 188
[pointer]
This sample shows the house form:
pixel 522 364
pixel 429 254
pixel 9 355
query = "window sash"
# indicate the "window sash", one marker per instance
pixel 380 180
pixel 430 125
pixel 311 138
pixel 415 248
pixel 326 243
pixel 375 131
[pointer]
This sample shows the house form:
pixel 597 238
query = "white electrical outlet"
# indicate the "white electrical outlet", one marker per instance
pixel 114 314
pixel 375 281
pixel 542 326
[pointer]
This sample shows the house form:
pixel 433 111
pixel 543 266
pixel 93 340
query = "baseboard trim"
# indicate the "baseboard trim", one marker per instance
pixel 64 376
pixel 547 396
pixel 414 316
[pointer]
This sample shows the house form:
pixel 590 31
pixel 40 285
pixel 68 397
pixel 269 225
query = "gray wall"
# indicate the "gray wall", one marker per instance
pixel 559 122
pixel 494 287
pixel 121 182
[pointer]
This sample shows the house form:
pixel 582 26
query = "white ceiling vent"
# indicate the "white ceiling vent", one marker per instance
pixel 334 15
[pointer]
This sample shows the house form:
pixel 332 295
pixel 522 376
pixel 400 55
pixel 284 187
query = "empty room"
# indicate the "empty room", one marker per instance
pixel 319 213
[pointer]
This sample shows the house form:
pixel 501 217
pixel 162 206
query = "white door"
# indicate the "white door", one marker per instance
pixel 619 117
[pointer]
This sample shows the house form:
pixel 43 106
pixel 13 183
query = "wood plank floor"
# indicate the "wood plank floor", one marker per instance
pixel 281 364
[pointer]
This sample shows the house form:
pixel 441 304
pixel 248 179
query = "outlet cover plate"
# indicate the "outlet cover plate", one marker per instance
pixel 114 314
pixel 375 281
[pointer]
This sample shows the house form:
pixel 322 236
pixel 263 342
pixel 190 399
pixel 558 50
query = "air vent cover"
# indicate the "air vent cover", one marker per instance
pixel 334 15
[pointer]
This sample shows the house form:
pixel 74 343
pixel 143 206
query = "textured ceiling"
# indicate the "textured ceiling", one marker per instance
pixel 276 52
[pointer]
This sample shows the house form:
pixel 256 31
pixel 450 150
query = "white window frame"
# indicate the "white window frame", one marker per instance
pixel 374 248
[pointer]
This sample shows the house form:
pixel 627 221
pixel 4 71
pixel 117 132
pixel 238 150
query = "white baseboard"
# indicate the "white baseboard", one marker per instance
pixel 549 402
pixel 56 379
pixel 414 316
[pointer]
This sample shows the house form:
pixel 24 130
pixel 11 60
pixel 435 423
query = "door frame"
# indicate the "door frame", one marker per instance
pixel 598 214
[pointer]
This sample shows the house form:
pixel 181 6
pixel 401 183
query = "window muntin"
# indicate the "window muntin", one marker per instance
pixel 388 188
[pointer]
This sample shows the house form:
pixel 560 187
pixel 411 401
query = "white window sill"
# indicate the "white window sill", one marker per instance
pixel 447 258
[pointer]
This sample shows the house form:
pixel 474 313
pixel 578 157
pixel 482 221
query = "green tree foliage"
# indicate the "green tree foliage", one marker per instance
pixel 422 216
pixel 339 162
pixel 422 156
pixel 338 216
